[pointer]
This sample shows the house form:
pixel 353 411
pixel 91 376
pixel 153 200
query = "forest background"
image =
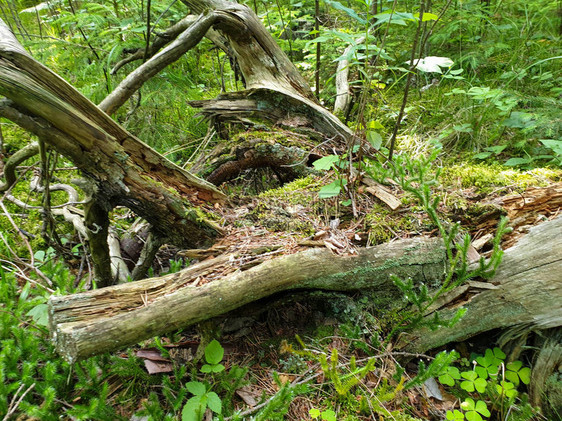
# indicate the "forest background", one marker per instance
pixel 480 115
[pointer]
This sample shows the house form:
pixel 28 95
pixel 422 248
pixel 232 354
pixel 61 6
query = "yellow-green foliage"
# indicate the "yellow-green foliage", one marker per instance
pixel 382 223
pixel 296 192
pixel 489 177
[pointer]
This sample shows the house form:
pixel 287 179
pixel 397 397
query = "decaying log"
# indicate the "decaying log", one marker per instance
pixel 278 107
pixel 289 159
pixel 343 92
pixel 124 170
pixel 528 294
pixel 109 318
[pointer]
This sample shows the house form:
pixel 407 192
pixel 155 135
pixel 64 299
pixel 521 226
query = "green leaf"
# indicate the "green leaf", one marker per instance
pixel 555 145
pixel 429 16
pixel 214 352
pixel 350 12
pixel 468 404
pixel 455 415
pixel 512 162
pixel 194 409
pixel 481 371
pixel 196 388
pixel 314 413
pixel 463 128
pixel 217 368
pixel 482 155
pixel 519 120
pixel 497 150
pixel 516 371
pixel 469 375
pixel 214 402
pixel 40 314
pixel 375 125
pixel 468 386
pixel 482 408
pixel 330 190
pixel 525 375
pixel 374 138
pixel 473 416
pixel 329 415
pixel 326 162
pixel 448 378
pixel 398 18
pixel 480 385
pixel 507 389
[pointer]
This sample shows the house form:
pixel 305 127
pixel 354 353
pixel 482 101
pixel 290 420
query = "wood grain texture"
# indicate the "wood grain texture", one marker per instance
pixel 110 318
pixel 528 293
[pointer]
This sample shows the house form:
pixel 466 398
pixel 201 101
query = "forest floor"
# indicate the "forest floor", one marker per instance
pixel 292 218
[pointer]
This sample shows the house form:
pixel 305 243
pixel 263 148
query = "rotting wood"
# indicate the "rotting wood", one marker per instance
pixel 125 171
pixel 278 107
pixel 343 92
pixel 106 319
pixel 528 293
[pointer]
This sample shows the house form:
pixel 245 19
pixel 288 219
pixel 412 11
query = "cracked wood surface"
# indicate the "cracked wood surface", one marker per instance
pixel 528 293
pixel 110 318
pixel 125 170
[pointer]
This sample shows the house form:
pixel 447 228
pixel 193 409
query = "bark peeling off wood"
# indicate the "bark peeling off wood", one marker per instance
pixel 125 170
pixel 102 320
pixel 528 293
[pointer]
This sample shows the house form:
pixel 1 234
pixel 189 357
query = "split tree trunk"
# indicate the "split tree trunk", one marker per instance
pixel 124 170
pixel 102 320
pixel 527 293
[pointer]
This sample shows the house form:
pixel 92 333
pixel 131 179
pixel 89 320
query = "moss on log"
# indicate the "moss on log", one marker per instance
pixel 106 319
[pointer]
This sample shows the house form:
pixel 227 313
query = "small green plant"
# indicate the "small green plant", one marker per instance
pixel 194 409
pixel 203 397
pixel 337 164
pixel 416 176
pixel 327 415
pixel 490 387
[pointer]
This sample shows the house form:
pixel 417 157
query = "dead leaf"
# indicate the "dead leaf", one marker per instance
pixel 156 367
pixel 432 390
pixel 249 395
pixel 154 362
pixel 150 354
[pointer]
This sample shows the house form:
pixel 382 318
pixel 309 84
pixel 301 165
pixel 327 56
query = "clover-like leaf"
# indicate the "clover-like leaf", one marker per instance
pixel 328 415
pixel 314 413
pixel 473 382
pixel 489 363
pixel 515 371
pixel 482 408
pixel 475 410
pixel 507 389
pixel 455 415
pixel 449 376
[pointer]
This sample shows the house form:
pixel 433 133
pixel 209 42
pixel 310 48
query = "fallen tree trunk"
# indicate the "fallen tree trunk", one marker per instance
pixel 124 170
pixel 106 319
pixel 527 295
